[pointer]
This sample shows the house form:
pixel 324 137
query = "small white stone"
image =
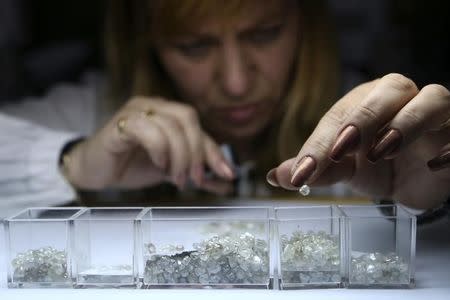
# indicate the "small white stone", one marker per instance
pixel 304 190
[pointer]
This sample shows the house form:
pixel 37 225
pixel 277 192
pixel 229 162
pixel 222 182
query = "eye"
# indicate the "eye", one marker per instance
pixel 195 49
pixel 265 35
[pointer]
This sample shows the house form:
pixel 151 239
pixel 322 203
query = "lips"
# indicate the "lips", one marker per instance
pixel 240 114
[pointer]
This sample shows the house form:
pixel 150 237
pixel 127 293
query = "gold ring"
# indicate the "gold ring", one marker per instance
pixel 121 123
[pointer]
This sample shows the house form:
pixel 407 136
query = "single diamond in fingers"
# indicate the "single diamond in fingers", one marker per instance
pixel 304 190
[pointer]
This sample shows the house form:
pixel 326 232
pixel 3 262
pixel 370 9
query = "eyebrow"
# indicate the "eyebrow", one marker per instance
pixel 278 14
pixel 263 20
pixel 268 18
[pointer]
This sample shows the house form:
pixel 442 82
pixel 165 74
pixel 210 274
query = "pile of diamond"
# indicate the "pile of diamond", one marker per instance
pixel 40 265
pixel 378 268
pixel 239 259
pixel 311 257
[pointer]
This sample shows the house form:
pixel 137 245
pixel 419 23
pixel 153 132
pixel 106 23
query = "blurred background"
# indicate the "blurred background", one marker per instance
pixel 48 41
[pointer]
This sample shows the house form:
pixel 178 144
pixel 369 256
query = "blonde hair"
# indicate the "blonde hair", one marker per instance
pixel 135 70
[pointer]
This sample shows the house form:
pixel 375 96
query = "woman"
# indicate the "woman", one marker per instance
pixel 261 70
pixel 188 76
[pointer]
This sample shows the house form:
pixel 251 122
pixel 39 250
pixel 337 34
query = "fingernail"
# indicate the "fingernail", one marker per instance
pixel 347 140
pixel 295 165
pixel 305 169
pixel 440 162
pixel 226 170
pixel 272 178
pixel 386 145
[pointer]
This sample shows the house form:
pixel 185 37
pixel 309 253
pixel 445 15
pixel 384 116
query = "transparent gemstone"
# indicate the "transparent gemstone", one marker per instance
pixel 151 248
pixel 304 190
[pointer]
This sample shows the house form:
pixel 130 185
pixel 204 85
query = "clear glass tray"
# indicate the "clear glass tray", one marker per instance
pixel 323 246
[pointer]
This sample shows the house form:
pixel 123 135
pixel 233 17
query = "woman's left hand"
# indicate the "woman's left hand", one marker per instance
pixel 386 138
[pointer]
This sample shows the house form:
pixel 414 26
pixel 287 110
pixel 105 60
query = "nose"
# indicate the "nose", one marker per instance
pixel 235 72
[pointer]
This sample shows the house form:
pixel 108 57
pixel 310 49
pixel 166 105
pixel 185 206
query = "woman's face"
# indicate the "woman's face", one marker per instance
pixel 235 72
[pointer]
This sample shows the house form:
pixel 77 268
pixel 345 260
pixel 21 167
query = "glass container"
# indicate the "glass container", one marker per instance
pixel 2 255
pixel 105 247
pixel 381 241
pixel 38 243
pixel 310 243
pixel 206 247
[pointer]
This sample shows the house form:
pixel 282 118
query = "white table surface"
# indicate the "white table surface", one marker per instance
pixel 432 280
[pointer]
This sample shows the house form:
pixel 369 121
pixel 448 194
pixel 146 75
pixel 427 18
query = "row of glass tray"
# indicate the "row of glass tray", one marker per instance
pixel 220 247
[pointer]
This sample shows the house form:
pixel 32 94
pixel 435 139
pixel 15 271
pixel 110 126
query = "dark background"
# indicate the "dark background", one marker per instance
pixel 48 41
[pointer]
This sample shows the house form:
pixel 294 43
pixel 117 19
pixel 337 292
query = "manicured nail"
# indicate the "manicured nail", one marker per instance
pixel 226 170
pixel 440 162
pixel 295 165
pixel 272 178
pixel 305 169
pixel 385 146
pixel 347 140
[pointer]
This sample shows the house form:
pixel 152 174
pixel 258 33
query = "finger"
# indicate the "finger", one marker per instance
pixel 113 136
pixel 215 159
pixel 425 112
pixel 342 171
pixel 390 94
pixel 178 147
pixel 351 123
pixel 313 157
pixel 138 173
pixel 441 161
pixel 188 119
pixel 219 187
pixel 177 159
pixel 335 172
pixel 281 175
pixel 139 130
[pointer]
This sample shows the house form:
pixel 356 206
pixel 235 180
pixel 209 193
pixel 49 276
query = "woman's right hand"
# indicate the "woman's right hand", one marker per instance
pixel 150 141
